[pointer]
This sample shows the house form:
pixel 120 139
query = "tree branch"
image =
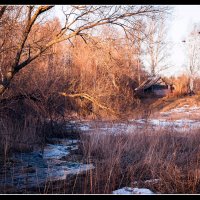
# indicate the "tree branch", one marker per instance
pixel 89 98
pixel 2 10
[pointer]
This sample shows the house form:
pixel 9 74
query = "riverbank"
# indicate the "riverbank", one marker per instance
pixel 108 159
pixel 98 157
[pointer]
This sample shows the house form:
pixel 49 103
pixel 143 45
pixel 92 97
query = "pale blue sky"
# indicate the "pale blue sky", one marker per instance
pixel 184 16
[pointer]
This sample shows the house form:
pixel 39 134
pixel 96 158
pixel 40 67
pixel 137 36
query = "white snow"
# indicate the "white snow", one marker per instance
pixel 178 125
pixel 149 181
pixel 61 174
pixel 84 127
pixel 59 169
pixel 129 190
pixel 183 109
pixel 55 151
pixel 79 169
pixel 142 121
pixel 132 126
pixel 152 181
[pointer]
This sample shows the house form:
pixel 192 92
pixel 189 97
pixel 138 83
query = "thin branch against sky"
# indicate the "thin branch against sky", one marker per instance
pixel 183 18
pixel 180 23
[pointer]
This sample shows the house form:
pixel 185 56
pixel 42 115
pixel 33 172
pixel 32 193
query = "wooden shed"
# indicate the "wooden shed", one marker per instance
pixel 155 85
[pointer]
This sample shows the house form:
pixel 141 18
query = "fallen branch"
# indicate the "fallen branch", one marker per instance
pixel 88 97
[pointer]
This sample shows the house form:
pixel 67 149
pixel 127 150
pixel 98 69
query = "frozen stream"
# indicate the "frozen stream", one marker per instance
pixel 28 170
pixel 32 169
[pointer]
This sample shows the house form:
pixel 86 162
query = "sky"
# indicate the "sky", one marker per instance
pixel 183 17
pixel 180 23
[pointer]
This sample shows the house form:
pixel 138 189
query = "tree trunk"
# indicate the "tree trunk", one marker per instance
pixel 6 81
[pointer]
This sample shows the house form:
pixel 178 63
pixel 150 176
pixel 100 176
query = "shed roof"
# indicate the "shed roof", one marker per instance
pixel 149 82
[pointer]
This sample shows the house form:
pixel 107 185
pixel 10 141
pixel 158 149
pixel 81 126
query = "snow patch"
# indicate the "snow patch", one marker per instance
pixel 129 190
pixel 184 109
pixel 152 181
pixel 84 127
pixel 61 172
pixel 178 125
pixel 149 181
pixel 57 151
pixel 46 165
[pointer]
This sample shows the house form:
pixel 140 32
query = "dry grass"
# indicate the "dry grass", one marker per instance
pixel 121 160
pixel 17 137
pixel 167 103
pixel 131 160
pixel 124 159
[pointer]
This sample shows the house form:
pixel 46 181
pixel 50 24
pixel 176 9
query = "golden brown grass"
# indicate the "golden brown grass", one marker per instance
pixel 20 137
pixel 132 159
pixel 169 103
pixel 121 160
pixel 172 158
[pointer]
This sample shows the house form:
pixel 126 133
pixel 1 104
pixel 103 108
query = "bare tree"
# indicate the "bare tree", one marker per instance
pixel 2 10
pixel 192 55
pixel 100 65
pixel 137 39
pixel 79 19
pixel 156 46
